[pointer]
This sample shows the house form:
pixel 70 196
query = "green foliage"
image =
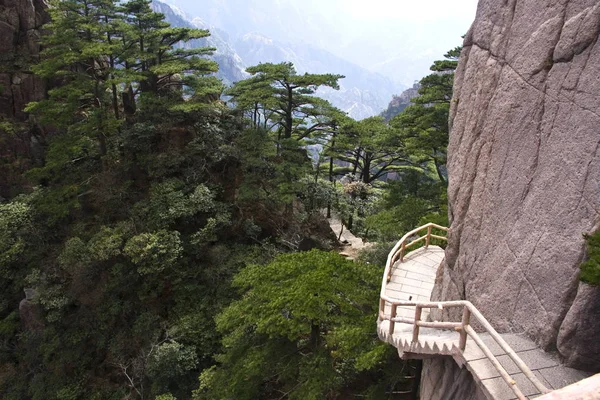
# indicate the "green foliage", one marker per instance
pixel 371 147
pixel 424 125
pixel 15 224
pixel 154 252
pixel 108 242
pixel 590 269
pixel 171 360
pixel 167 396
pixel 422 128
pixel 277 97
pixel 152 195
pixel 169 202
pixel 392 223
pixel 303 327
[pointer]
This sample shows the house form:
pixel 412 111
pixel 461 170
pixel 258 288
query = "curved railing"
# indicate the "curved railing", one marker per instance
pixel 399 250
pixel 464 327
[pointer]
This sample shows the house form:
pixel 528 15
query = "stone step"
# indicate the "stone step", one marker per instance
pixel 436 342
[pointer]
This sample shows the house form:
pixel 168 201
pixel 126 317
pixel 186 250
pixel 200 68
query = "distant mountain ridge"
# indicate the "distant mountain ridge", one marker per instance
pixel 362 93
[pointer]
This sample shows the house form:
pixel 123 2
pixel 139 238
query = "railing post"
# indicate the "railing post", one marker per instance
pixel 428 240
pixel 381 307
pixel 393 311
pixel 418 311
pixel 402 251
pixel 466 320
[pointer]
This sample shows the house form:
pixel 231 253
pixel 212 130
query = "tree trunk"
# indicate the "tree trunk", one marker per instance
pixel 289 117
pixel 366 172
pixel 315 336
pixel 356 161
pixel 330 179
pixel 438 168
pixel 129 106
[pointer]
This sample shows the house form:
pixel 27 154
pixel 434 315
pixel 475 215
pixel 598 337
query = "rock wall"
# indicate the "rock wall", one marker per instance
pixel 20 23
pixel 21 146
pixel 524 172
pixel 443 379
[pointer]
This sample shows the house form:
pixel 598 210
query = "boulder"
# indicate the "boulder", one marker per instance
pixel 578 338
pixel 524 170
pixel 30 313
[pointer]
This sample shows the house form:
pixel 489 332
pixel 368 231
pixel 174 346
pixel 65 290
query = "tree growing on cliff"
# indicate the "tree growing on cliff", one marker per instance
pixel 423 130
pixel 424 125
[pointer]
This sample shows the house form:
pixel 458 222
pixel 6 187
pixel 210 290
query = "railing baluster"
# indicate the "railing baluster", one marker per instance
pixel 402 251
pixel 393 311
pixel 466 320
pixel 416 328
pixel 428 240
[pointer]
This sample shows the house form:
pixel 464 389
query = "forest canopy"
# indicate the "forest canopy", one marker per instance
pixel 155 248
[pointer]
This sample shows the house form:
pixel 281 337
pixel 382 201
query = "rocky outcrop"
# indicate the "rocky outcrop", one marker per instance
pixel 443 379
pixel 587 389
pixel 21 144
pixel 30 312
pixel 20 24
pixel 580 326
pixel 399 103
pixel 524 171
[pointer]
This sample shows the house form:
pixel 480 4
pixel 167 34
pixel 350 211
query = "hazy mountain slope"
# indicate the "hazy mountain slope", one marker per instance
pixel 231 66
pixel 282 19
pixel 362 93
pixel 389 37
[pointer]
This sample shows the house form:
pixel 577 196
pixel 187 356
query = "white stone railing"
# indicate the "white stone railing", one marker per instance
pixel 463 327
pixel 399 250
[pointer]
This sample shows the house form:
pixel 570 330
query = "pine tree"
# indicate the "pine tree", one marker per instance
pixel 79 54
pixel 372 148
pixel 286 98
pixel 424 125
pixel 156 51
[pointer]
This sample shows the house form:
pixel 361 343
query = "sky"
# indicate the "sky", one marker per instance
pixel 397 38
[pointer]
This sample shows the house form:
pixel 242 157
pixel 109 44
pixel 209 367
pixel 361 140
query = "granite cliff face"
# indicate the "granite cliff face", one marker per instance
pixel 525 172
pixel 20 24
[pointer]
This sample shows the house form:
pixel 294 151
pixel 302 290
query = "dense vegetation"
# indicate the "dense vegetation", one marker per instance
pixel 157 242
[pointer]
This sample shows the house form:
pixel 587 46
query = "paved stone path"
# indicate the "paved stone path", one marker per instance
pixel 413 279
pixel 352 244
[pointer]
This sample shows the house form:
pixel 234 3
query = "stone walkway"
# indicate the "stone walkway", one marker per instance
pixel 413 280
pixel 352 244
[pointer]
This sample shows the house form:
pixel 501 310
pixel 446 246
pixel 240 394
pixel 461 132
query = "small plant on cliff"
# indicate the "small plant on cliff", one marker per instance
pixel 590 270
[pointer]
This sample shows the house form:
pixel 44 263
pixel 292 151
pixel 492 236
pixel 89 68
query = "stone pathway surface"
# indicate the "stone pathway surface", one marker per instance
pixel 352 244
pixel 413 279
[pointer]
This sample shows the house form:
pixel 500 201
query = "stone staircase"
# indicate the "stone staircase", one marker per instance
pixel 505 367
